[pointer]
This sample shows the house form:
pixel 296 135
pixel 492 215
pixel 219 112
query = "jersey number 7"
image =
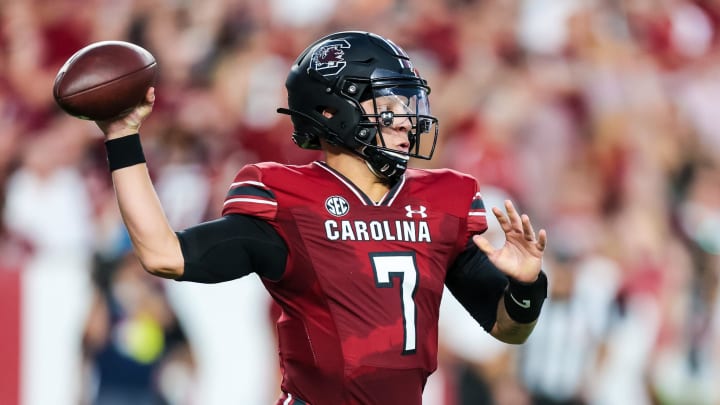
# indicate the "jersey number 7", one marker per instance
pixel 390 265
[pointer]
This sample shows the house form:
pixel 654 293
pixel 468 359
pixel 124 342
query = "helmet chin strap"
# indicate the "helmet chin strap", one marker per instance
pixel 387 166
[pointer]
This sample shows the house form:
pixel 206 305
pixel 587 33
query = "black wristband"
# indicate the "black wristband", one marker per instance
pixel 523 301
pixel 124 152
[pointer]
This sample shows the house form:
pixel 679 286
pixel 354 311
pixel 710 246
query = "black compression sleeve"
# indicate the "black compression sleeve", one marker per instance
pixel 477 284
pixel 231 247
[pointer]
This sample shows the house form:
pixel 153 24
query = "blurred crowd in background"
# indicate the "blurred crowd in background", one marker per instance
pixel 599 118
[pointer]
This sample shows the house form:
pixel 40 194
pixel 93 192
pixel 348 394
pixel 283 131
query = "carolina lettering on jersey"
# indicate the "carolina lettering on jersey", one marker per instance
pixel 403 231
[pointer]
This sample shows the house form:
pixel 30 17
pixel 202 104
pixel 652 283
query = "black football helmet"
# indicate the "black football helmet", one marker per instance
pixel 336 74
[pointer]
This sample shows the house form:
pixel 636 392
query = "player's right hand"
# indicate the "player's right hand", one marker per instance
pixel 128 124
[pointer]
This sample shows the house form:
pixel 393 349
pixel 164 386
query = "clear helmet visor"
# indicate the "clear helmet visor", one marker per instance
pixel 403 108
pixel 402 100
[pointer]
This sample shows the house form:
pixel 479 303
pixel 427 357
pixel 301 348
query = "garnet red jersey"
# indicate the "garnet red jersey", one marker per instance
pixel 361 291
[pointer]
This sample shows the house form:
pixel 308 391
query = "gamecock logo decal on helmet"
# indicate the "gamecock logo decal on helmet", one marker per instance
pixel 329 59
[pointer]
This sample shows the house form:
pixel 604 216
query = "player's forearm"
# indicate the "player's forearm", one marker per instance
pixel 509 331
pixel 154 241
pixel 519 309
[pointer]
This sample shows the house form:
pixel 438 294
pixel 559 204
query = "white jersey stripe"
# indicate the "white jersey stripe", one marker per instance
pixel 250 182
pixel 250 200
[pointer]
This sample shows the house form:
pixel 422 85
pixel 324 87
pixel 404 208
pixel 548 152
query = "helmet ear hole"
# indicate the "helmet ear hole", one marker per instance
pixel 327 112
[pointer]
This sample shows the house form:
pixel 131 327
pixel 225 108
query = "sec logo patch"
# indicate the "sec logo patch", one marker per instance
pixel 337 206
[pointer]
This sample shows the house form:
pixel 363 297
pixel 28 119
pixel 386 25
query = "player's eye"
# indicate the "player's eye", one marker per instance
pixel 399 105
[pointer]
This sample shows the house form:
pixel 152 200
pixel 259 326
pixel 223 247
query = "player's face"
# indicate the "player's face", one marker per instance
pixel 402 115
pixel 393 113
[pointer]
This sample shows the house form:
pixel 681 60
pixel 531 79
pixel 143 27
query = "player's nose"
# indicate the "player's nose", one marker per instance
pixel 398 137
pixel 402 124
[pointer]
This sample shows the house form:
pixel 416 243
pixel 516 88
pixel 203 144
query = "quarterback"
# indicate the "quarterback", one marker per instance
pixel 355 249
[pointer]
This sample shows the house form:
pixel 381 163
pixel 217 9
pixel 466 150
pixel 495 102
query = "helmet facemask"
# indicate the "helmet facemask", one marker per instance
pixel 395 108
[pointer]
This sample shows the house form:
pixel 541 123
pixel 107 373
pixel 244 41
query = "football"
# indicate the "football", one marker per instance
pixel 104 80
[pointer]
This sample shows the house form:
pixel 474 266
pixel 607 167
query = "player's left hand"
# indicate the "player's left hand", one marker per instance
pixel 521 255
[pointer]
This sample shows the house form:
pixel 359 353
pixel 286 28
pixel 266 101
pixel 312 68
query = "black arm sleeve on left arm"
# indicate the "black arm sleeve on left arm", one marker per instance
pixel 477 284
pixel 231 247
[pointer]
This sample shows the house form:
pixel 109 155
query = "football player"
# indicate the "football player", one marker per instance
pixel 355 249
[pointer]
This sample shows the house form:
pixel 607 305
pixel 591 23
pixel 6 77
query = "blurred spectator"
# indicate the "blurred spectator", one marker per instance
pixel 557 364
pixel 48 206
pixel 685 363
pixel 135 349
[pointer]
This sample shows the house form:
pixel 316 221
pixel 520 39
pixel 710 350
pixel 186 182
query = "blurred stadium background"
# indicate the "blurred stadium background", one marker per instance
pixel 600 118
